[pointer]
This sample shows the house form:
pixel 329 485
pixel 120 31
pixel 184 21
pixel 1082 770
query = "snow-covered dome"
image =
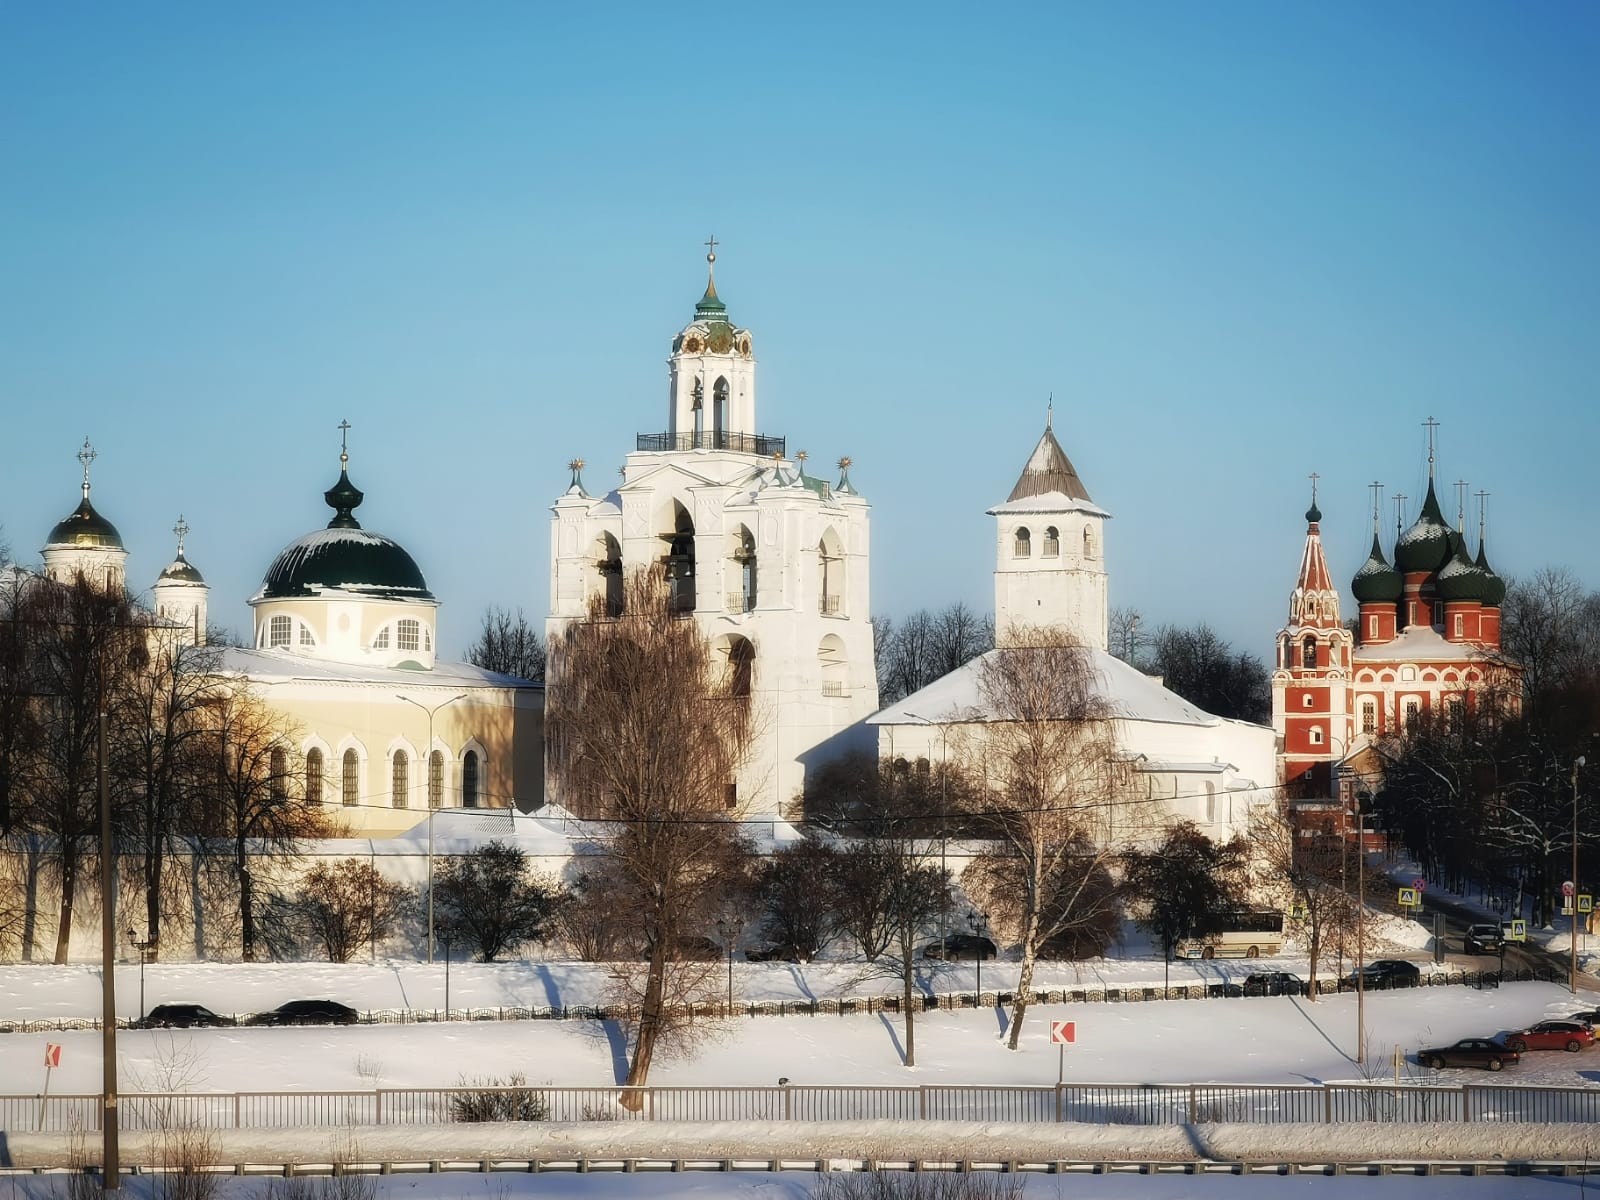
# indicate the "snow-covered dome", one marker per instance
pixel 1461 579
pixel 1377 582
pixel 1426 545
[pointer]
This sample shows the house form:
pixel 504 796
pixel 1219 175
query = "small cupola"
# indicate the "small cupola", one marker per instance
pixel 1377 582
pixel 1426 545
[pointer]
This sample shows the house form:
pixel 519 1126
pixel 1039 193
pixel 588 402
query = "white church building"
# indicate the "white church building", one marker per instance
pixel 1050 571
pixel 769 560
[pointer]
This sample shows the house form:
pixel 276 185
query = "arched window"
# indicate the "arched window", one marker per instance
pixel 1088 542
pixel 313 776
pixel 1308 653
pixel 680 560
pixel 741 667
pixel 278 633
pixel 1316 737
pixel 399 779
pixel 743 553
pixel 1211 803
pixel 436 779
pixel 719 413
pixel 305 636
pixel 835 665
pixel 278 769
pixel 830 563
pixel 1286 654
pixel 469 779
pixel 1052 542
pixel 350 789
pixel 408 634
pixel 381 642
pixel 1021 543
pixel 608 573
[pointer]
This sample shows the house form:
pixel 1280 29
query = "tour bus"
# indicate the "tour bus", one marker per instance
pixel 1234 935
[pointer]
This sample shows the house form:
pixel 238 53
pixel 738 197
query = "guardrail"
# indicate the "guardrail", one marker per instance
pixel 1132 994
pixel 1085 1103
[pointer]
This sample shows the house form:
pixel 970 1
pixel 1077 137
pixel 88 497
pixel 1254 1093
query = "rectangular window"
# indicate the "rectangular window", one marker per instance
pixel 279 635
pixel 1372 628
pixel 730 796
pixel 1461 625
pixel 407 635
pixel 1369 717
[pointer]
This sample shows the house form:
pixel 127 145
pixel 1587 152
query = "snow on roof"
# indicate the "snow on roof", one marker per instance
pixel 1047 502
pixel 279 666
pixel 1129 694
pixel 1419 643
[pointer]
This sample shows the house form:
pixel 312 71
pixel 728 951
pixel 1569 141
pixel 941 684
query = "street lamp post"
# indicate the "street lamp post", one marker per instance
pixel 1572 973
pixel 979 921
pixel 445 938
pixel 730 930
pixel 944 817
pixel 1361 936
pixel 146 949
pixel 427 777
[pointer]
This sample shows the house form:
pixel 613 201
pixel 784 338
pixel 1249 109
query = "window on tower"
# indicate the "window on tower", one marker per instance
pixel 1021 543
pixel 1308 653
pixel 278 631
pixel 1316 737
pixel 1369 717
pixel 400 779
pixel 1088 542
pixel 1052 542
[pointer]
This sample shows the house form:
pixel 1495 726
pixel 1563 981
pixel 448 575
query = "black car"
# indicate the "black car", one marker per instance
pixel 1274 983
pixel 1470 1052
pixel 308 1012
pixel 960 945
pixel 181 1016
pixel 1385 973
pixel 777 953
pixel 1483 939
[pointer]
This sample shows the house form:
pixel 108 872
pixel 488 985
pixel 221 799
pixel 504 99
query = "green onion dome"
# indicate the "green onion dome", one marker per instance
pixel 1426 545
pixel 1377 582
pixel 1460 579
pixel 85 527
pixel 1494 588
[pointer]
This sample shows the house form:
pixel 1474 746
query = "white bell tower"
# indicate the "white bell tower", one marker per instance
pixel 1050 565
pixel 712 379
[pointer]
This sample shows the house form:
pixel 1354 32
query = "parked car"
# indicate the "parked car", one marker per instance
pixel 1553 1035
pixel 781 952
pixel 1274 983
pixel 1588 1016
pixel 181 1016
pixel 960 945
pixel 1482 939
pixel 1385 973
pixel 308 1012
pixel 1471 1052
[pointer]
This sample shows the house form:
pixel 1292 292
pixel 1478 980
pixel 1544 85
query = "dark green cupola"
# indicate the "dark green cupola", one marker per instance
pixel 1377 582
pixel 1460 579
pixel 1426 545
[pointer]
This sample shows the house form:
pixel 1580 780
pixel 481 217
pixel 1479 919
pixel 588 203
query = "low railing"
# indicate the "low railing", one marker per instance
pixel 742 443
pixel 1080 1103
pixel 738 602
pixel 830 606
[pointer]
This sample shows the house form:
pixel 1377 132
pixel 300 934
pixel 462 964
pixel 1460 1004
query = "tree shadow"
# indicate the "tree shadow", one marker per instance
pixel 1302 1007
pixel 618 1041
pixel 800 982
pixel 894 1036
pixel 1002 1015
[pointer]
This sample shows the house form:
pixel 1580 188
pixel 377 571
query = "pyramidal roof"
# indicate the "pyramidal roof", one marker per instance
pixel 1049 470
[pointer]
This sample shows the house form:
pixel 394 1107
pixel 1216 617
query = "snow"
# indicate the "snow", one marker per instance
pixel 1267 1040
pixel 1419 644
pixel 1129 694
pixel 282 665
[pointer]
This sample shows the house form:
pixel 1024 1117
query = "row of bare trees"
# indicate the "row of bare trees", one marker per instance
pixel 193 762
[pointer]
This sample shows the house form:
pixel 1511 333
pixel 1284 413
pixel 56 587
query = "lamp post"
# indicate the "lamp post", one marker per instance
pixel 146 949
pixel 1572 972
pixel 1361 936
pixel 730 929
pixel 944 817
pixel 979 921
pixel 446 939
pixel 427 767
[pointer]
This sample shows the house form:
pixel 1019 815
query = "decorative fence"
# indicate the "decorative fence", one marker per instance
pixel 1088 1103
pixel 1128 994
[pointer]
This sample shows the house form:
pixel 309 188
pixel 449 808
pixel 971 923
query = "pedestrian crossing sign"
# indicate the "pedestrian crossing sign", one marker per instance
pixel 1409 898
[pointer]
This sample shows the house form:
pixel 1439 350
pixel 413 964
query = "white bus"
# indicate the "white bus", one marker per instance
pixel 1233 935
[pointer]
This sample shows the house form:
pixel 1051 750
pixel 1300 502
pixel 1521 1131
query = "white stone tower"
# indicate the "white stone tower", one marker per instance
pixel 1050 566
pixel 85 543
pixel 180 593
pixel 771 561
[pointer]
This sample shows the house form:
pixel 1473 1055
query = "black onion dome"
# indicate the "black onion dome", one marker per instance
pixel 180 570
pixel 1377 582
pixel 1460 579
pixel 344 557
pixel 85 527
pixel 1494 588
pixel 1426 545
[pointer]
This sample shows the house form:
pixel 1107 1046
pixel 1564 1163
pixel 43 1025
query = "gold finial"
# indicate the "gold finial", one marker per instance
pixel 800 456
pixel 86 456
pixel 711 265
pixel 777 457
pixel 844 463
pixel 575 465
pixel 182 530
pixel 344 444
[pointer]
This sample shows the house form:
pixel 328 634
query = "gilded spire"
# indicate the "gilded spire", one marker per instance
pixel 86 456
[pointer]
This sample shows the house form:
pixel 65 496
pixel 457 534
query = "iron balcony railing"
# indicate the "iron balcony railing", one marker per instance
pixel 743 443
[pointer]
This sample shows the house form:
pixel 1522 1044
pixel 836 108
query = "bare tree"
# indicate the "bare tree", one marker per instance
pixel 510 645
pixel 1201 667
pixel 1054 796
pixel 1313 872
pixel 796 912
pixel 346 904
pixel 913 652
pixel 493 903
pixel 647 733
pixel 1127 640
pixel 1184 879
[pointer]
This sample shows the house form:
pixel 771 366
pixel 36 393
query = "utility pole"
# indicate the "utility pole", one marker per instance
pixel 111 1166
pixel 1572 900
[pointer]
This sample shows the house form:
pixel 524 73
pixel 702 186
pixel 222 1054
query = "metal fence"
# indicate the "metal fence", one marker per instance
pixel 1086 1103
pixel 1126 994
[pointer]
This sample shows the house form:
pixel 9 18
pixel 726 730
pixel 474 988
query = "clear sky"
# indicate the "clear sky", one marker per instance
pixel 1238 242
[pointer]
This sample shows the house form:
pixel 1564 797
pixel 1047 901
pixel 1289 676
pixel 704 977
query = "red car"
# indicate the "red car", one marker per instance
pixel 1552 1035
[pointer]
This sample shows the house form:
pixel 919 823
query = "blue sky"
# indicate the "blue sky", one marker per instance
pixel 1238 242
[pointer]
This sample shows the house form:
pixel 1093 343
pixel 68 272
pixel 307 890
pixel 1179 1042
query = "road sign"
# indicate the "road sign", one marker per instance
pixel 1585 903
pixel 1297 911
pixel 1567 889
pixel 1519 931
pixel 1409 898
pixel 1419 883
pixel 52 1054
pixel 1063 1033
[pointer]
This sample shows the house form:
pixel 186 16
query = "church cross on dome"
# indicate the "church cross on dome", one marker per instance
pixel 1400 499
pixel 1482 512
pixel 1431 425
pixel 86 456
pixel 1461 505
pixel 1050 413
pixel 1377 500
pixel 182 530
pixel 344 442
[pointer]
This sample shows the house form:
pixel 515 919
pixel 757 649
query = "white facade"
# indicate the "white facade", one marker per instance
pixel 771 561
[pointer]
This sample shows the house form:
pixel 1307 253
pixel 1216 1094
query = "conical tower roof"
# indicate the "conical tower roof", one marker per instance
pixel 1460 578
pixel 1049 470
